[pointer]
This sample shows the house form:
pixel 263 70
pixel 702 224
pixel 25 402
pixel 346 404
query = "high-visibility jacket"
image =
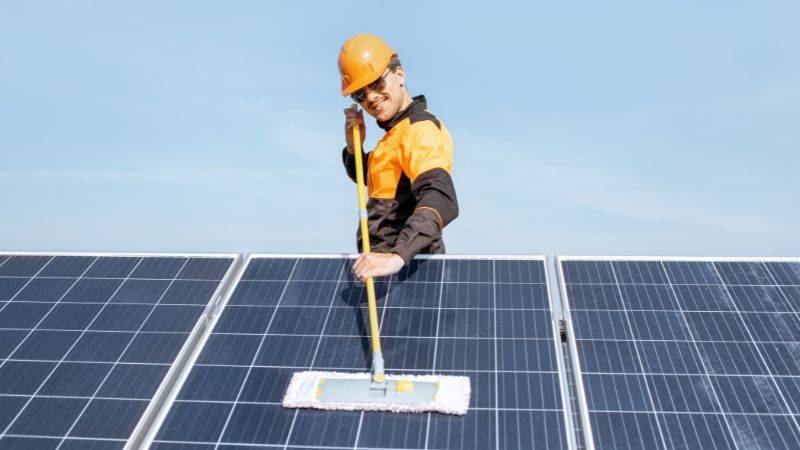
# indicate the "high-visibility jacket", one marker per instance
pixel 411 193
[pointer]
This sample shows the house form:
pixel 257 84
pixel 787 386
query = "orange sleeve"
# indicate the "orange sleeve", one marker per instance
pixel 426 147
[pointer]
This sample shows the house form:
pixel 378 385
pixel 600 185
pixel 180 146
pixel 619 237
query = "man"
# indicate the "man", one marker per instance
pixel 411 194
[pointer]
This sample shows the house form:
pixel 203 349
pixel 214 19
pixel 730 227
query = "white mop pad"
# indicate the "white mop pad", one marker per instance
pixel 451 398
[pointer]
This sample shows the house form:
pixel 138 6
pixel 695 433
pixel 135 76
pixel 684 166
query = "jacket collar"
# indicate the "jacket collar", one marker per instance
pixel 418 103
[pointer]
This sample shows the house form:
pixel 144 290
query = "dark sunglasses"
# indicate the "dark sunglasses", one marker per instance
pixel 377 85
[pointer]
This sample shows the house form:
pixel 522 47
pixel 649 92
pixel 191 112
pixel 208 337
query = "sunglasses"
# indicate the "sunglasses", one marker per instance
pixel 377 85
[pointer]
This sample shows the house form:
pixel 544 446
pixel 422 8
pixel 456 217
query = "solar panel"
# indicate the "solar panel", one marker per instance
pixel 485 318
pixel 685 353
pixel 86 341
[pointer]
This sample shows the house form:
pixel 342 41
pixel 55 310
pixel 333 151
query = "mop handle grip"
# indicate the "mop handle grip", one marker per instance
pixel 362 208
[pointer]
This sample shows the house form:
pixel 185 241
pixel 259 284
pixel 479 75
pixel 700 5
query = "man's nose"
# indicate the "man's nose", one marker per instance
pixel 373 96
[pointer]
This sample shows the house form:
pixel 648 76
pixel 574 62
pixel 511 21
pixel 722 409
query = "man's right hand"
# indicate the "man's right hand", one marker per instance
pixel 353 116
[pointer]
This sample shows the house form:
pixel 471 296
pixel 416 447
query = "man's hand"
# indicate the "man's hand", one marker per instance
pixel 353 116
pixel 377 265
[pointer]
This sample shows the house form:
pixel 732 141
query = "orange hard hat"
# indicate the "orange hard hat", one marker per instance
pixel 362 60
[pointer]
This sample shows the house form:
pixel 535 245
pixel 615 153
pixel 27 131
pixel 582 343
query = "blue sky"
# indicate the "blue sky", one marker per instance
pixel 613 128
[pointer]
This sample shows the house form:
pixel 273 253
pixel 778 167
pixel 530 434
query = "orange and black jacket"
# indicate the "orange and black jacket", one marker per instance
pixel 411 194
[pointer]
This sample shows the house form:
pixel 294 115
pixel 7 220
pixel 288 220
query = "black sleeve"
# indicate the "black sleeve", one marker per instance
pixel 437 206
pixel 350 163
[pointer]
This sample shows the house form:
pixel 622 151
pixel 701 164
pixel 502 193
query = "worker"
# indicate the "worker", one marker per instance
pixel 411 193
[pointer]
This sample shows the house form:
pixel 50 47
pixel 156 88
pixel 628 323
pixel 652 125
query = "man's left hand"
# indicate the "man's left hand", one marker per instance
pixel 377 265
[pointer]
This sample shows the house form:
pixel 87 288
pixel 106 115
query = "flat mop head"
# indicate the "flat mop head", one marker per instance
pixel 398 393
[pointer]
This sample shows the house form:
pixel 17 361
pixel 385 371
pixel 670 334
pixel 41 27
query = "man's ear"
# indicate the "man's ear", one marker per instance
pixel 401 75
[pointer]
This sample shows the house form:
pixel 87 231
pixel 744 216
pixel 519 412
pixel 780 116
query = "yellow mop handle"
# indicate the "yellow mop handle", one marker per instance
pixel 377 358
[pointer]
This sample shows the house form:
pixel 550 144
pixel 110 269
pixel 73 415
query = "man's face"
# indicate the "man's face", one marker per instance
pixel 383 104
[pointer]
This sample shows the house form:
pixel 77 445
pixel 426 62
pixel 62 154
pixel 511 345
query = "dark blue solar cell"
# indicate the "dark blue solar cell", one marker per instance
pixel 75 379
pixel 3 258
pixel 67 266
pixel 298 320
pixel 140 291
pixel 736 272
pixel 463 295
pixel 390 430
pixel 134 381
pixel 92 290
pixel 608 356
pixel 600 324
pixel 318 269
pixel 23 377
pixel 213 383
pixel 106 418
pixel 350 322
pixel 9 287
pixel 524 324
pixel 194 422
pixel 297 351
pixel 531 296
pixel 748 395
pixel 465 354
pixel 9 339
pixel 205 268
pixel 407 295
pixel 691 272
pixel 48 416
pixel 314 427
pixel 759 298
pixel 408 353
pixel 23 265
pixel 783 358
pixel 71 316
pixel 696 431
pixel 610 430
pixel 99 346
pixel 263 424
pixel 20 443
pixel 704 298
pixel 229 349
pixel 91 444
pixel 112 267
pixel 192 446
pixel 355 294
pixel 479 271
pixel 660 325
pixel 175 318
pixel 519 271
pixel 417 322
pixel 692 393
pixel 9 407
pixel 583 272
pixel 46 345
pixel 23 314
pixel 731 358
pixel 768 431
pixel 519 390
pixel 189 292
pixel 156 267
pixel 783 327
pixel 475 430
pixel 257 293
pixel 717 326
pixel 531 429
pixel 309 293
pixel 594 296
pixel 618 392
pixel 648 297
pixel 790 386
pixel 45 289
pixel 244 319
pixel 639 272
pixel 785 272
pixel 269 269
pixel 266 384
pixel 416 271
pixel 669 357
pixel 154 348
pixel 121 317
